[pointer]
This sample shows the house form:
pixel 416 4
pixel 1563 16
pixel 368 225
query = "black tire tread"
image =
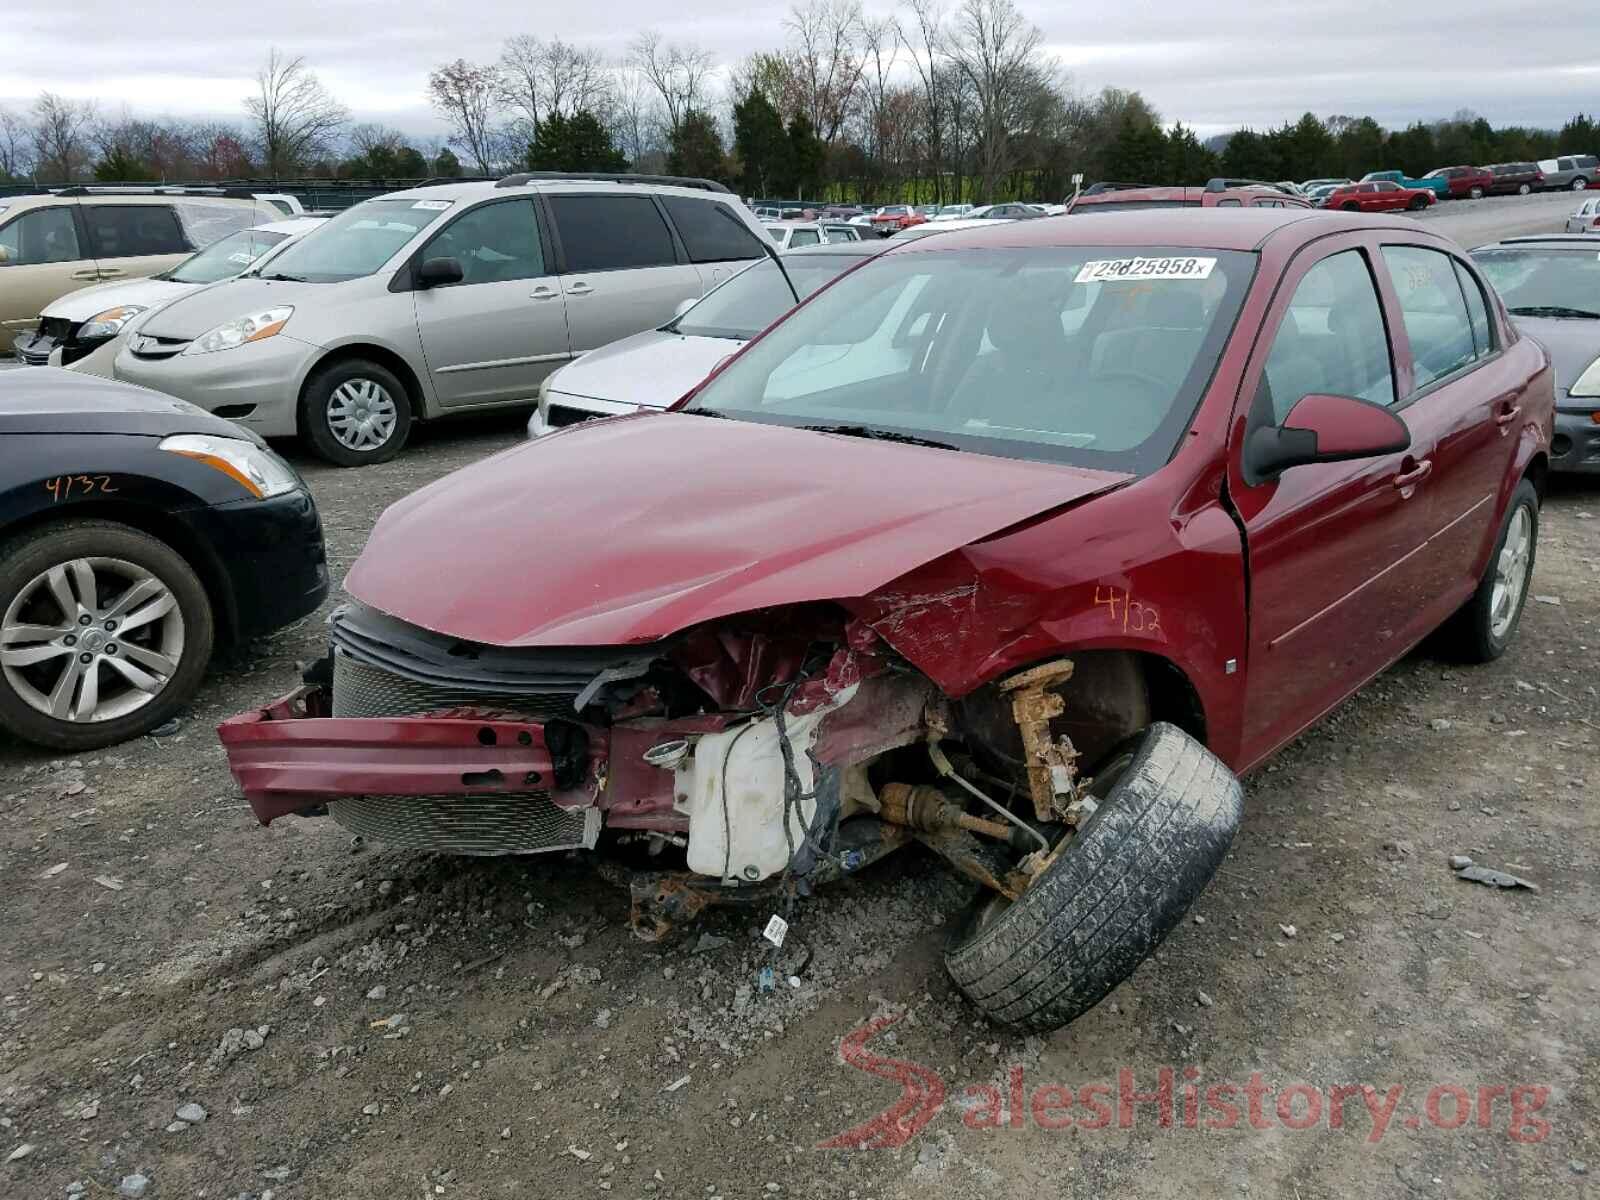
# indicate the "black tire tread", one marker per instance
pixel 1111 897
pixel 1465 636
pixel 313 407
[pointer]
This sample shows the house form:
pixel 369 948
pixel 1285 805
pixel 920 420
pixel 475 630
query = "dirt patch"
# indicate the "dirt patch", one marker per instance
pixel 361 1023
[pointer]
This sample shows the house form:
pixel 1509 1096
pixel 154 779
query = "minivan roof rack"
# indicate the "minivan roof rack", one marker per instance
pixel 522 177
pixel 156 189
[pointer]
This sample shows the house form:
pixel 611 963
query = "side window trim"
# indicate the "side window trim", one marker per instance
pixel 1418 393
pixel 421 255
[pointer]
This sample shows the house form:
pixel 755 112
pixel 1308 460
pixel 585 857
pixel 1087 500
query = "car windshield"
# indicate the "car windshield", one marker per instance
pixel 225 259
pixel 757 296
pixel 1544 280
pixel 357 242
pixel 1095 356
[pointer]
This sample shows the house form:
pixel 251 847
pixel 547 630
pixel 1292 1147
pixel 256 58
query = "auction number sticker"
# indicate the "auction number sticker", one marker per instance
pixel 1109 270
pixel 432 205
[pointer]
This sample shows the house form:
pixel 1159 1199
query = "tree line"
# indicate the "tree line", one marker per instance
pixel 926 104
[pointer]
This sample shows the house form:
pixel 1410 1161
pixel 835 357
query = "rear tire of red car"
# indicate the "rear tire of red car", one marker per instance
pixel 355 412
pixel 1483 627
pixel 1418 202
pixel 112 622
pixel 1350 206
pixel 1110 897
pixel 1476 193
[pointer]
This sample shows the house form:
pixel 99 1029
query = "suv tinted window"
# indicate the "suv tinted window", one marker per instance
pixel 1332 339
pixel 1434 310
pixel 609 233
pixel 710 235
pixel 134 230
pixel 44 235
pixel 493 243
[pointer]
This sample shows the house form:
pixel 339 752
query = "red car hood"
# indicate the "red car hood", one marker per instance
pixel 637 527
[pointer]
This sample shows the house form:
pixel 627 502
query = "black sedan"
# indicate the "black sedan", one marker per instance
pixel 136 532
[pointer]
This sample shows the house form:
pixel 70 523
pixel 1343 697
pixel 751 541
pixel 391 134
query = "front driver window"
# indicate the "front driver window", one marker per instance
pixel 1332 339
pixel 494 243
pixel 45 235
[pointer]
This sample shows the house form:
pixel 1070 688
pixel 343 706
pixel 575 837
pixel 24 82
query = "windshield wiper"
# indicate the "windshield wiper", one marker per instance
pixel 281 278
pixel 880 435
pixel 1551 310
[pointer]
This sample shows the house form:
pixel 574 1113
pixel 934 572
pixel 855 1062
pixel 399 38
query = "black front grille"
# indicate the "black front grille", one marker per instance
pixel 558 415
pixel 147 346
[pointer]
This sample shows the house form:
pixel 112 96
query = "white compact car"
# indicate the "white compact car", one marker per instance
pixel 80 323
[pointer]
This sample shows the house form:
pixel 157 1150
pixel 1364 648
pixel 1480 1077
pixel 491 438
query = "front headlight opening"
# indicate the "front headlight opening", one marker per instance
pixel 260 472
pixel 253 328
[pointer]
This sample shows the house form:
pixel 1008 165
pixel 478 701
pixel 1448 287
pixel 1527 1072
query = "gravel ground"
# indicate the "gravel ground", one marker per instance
pixel 193 1006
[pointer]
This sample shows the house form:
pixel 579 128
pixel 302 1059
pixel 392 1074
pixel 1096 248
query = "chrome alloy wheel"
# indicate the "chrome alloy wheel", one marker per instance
pixel 92 639
pixel 362 414
pixel 1511 574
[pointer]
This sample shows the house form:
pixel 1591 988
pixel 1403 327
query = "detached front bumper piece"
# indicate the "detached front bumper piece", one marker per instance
pixel 465 784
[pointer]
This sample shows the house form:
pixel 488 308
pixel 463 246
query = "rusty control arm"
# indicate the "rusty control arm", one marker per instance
pixel 942 765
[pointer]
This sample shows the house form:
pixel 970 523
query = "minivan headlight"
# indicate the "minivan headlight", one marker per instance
pixel 253 328
pixel 109 323
pixel 255 468
pixel 1588 383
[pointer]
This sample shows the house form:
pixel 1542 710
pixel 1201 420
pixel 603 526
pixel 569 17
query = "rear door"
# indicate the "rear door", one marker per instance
pixel 718 242
pixel 492 338
pixel 622 270
pixel 45 258
pixel 1331 544
pixel 131 241
pixel 1461 398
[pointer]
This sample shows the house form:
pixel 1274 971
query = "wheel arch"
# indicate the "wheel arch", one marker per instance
pixel 385 358
pixel 165 527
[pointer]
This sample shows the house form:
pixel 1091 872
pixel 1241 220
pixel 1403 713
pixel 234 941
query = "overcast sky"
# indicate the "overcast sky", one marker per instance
pixel 1214 64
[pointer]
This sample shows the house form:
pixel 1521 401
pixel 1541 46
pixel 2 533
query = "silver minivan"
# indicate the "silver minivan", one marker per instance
pixel 439 300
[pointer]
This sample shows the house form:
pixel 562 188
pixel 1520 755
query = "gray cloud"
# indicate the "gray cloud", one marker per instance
pixel 1213 64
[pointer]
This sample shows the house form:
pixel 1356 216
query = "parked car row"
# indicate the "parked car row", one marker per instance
pixel 1573 172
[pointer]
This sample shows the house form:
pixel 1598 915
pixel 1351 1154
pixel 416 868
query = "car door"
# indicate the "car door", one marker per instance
pixel 44 258
pixel 492 338
pixel 132 241
pixel 1460 398
pixel 1329 544
pixel 622 270
pixel 718 242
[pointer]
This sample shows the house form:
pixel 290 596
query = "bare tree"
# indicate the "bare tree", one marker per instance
pixel 997 50
pixel 541 79
pixel 16 156
pixel 221 151
pixel 881 49
pixel 677 73
pixel 635 119
pixel 924 42
pixel 60 137
pixel 824 61
pixel 296 118
pixel 465 95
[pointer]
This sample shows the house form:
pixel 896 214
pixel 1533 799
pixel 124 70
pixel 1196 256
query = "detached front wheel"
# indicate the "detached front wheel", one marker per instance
pixel 1111 895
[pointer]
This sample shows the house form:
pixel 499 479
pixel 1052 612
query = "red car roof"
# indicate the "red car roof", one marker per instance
pixel 1211 228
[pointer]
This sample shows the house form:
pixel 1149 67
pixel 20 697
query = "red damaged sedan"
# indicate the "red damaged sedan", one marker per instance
pixel 1018 543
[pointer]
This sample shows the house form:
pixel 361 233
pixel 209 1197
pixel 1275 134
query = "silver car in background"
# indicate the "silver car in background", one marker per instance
pixel 440 300
pixel 656 368
pixel 1586 219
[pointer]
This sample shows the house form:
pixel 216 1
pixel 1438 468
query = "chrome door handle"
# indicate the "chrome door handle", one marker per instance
pixel 579 289
pixel 1510 414
pixel 1422 470
pixel 544 293
pixel 87 274
pixel 111 273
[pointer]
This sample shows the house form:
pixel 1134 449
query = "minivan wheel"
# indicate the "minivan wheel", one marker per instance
pixel 1111 895
pixel 355 412
pixel 1523 189
pixel 105 633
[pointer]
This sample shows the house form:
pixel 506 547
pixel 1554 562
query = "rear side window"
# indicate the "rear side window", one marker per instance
pixel 44 235
pixel 204 223
pixel 803 237
pixel 710 230
pixel 134 230
pixel 612 233
pixel 1434 310
pixel 1332 339
pixel 1477 311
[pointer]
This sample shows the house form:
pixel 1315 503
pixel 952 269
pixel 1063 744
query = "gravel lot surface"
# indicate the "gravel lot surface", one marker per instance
pixel 193 1006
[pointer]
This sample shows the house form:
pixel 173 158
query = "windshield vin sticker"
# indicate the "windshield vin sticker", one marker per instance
pixel 1109 270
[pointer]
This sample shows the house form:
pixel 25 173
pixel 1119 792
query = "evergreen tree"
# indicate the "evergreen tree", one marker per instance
pixel 762 146
pixel 696 147
pixel 576 143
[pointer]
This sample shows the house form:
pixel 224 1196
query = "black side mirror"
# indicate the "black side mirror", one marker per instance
pixel 1323 428
pixel 438 272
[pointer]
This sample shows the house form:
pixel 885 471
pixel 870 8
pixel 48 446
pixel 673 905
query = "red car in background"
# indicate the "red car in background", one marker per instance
pixel 894 218
pixel 1380 196
pixel 1020 544
pixel 1466 183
